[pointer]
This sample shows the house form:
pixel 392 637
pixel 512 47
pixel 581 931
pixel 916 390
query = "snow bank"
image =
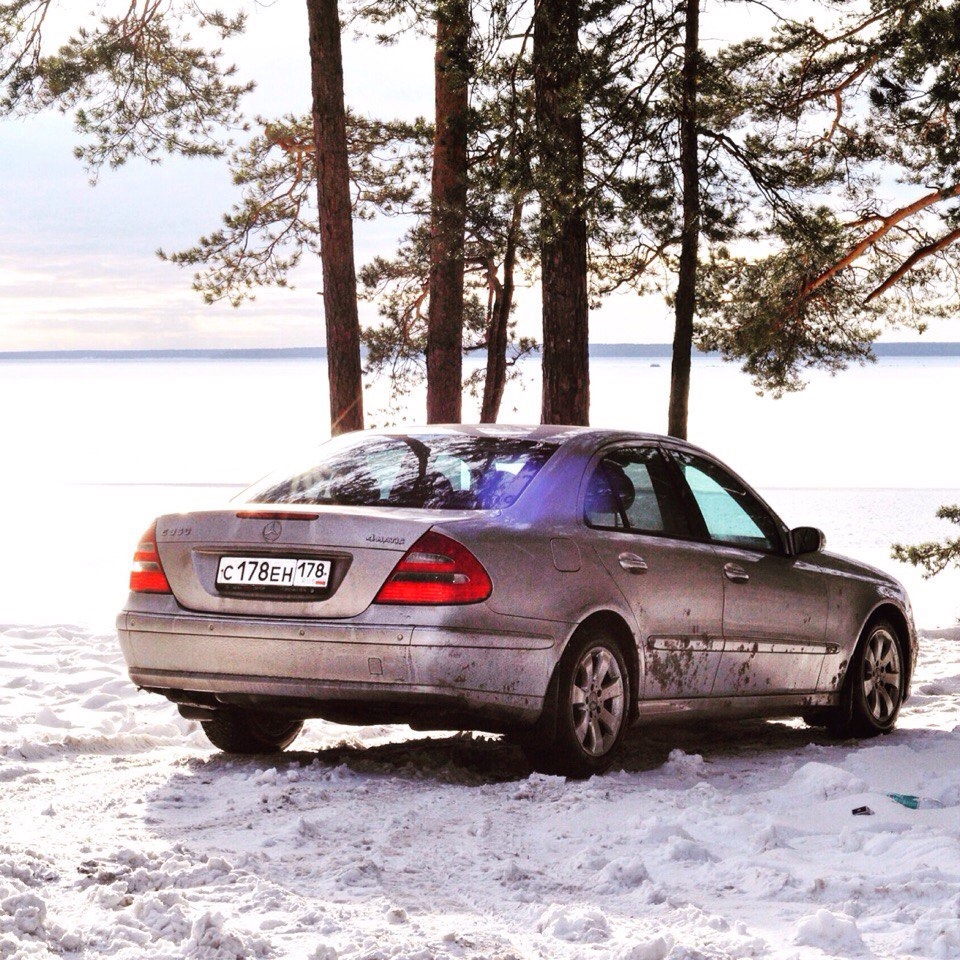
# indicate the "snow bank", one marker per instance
pixel 822 781
pixel 831 932
pixel 124 835
pixel 579 924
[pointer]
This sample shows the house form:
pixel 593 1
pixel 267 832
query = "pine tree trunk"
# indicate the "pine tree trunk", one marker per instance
pixel 496 378
pixel 686 299
pixel 563 245
pixel 448 204
pixel 336 219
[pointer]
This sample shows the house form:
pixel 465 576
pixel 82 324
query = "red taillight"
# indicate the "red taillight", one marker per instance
pixel 436 570
pixel 146 574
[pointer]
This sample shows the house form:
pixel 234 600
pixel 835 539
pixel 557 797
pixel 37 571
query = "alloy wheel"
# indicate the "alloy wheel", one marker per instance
pixel 597 701
pixel 881 675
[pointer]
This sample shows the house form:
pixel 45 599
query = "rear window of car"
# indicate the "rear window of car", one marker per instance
pixel 432 471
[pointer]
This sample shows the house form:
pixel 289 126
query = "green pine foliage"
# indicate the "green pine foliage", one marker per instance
pixel 868 99
pixel 133 77
pixel 264 236
pixel 934 557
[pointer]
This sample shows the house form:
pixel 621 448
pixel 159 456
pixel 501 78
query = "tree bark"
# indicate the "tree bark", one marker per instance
pixel 686 299
pixel 563 245
pixel 496 378
pixel 448 207
pixel 336 219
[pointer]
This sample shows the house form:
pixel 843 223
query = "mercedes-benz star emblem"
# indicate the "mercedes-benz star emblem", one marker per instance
pixel 272 530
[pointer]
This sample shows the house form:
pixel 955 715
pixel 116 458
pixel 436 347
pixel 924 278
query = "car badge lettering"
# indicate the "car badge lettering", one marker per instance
pixel 272 531
pixel 393 541
pixel 173 532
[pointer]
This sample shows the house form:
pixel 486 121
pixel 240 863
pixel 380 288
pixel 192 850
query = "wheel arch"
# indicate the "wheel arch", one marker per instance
pixel 884 610
pixel 614 623
pixel 851 716
pixel 890 611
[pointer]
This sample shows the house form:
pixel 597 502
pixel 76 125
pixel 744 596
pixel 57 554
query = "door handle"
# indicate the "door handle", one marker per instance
pixel 632 563
pixel 736 573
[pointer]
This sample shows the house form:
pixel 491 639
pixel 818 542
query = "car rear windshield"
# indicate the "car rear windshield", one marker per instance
pixel 433 471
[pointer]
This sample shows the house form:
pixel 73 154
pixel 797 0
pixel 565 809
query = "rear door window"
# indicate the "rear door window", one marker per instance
pixel 633 488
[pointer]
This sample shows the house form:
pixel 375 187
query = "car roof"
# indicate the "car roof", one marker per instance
pixel 543 432
pixel 539 431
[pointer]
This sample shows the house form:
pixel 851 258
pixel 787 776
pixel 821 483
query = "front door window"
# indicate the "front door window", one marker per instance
pixel 731 513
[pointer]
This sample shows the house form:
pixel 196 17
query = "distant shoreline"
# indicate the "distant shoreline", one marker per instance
pixel 597 350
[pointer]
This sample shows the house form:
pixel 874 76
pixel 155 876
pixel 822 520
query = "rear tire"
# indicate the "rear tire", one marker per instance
pixel 251 731
pixel 587 709
pixel 873 687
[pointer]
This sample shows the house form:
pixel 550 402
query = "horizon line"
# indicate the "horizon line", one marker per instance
pixel 904 348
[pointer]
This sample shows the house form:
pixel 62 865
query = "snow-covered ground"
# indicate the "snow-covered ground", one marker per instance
pixel 124 835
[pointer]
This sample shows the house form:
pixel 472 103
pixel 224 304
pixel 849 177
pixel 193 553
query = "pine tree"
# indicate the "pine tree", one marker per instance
pixel 677 168
pixel 877 94
pixel 685 301
pixel 392 168
pixel 448 212
pixel 336 218
pixel 557 74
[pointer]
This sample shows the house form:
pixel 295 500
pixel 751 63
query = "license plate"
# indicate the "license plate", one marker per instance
pixel 280 573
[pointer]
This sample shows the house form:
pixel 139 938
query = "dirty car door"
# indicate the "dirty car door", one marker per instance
pixel 775 605
pixel 673 583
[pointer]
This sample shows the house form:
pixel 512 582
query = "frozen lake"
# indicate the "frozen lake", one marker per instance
pixel 94 450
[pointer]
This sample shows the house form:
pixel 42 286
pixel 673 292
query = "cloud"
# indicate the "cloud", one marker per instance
pixel 112 301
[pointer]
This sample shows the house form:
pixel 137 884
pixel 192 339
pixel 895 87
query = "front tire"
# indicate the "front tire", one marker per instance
pixel 873 689
pixel 251 731
pixel 584 724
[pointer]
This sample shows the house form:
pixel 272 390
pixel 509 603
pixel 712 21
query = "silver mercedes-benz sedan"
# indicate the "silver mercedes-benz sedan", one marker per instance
pixel 554 583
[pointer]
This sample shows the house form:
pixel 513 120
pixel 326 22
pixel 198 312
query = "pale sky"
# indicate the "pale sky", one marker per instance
pixel 77 263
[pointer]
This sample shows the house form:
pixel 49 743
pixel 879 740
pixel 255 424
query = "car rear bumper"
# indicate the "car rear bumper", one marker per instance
pixel 424 675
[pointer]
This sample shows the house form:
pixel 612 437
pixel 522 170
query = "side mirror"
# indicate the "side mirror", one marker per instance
pixel 807 540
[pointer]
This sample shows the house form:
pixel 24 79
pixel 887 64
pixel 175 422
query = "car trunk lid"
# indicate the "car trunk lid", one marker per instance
pixel 361 546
